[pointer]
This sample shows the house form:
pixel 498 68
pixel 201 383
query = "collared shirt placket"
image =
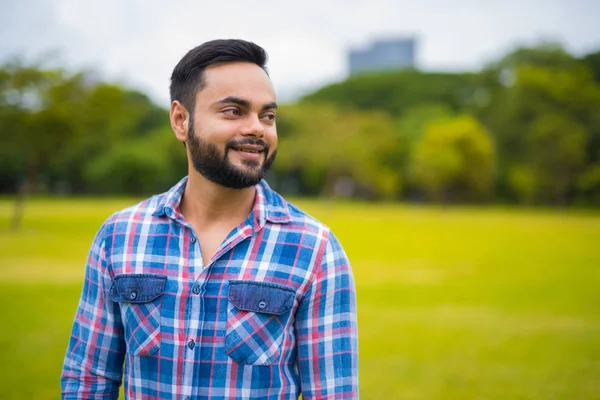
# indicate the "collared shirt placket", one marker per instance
pixel 195 325
pixel 192 324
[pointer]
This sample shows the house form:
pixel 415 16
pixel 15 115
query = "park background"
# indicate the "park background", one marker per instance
pixel 466 198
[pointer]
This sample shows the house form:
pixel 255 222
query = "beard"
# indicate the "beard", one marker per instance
pixel 216 167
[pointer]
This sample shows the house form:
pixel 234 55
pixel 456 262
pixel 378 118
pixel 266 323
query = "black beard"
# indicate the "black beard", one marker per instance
pixel 217 168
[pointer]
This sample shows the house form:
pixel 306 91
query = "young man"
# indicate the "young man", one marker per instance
pixel 218 288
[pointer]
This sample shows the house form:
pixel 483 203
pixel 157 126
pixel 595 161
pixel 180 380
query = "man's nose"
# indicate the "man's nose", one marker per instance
pixel 253 126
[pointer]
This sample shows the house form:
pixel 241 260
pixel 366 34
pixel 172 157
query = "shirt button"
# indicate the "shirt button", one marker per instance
pixel 132 295
pixel 191 344
pixel 262 304
pixel 193 239
pixel 196 289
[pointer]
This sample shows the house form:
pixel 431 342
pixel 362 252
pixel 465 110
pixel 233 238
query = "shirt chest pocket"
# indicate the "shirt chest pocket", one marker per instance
pixel 257 316
pixel 140 299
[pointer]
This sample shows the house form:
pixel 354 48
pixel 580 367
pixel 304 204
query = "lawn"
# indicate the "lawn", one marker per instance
pixel 454 303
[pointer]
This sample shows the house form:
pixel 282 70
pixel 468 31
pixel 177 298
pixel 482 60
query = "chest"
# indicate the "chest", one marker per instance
pixel 209 241
pixel 188 256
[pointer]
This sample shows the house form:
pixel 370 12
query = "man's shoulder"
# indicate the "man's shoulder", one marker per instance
pixel 144 211
pixel 300 220
pixel 315 234
pixel 299 216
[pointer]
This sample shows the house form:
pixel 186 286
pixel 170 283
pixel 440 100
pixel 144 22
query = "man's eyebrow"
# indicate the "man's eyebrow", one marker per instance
pixel 235 100
pixel 244 103
pixel 269 106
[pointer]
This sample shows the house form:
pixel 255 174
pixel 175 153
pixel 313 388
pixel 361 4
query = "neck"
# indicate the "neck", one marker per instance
pixel 205 202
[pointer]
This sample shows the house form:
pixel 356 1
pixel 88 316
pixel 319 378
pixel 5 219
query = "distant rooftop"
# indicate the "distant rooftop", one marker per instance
pixel 383 54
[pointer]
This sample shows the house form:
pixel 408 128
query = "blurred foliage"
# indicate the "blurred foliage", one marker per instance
pixel 525 129
pixel 454 160
pixel 397 91
pixel 543 108
pixel 326 146
pixel 540 107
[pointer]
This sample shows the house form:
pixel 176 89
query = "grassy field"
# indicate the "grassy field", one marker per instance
pixel 454 303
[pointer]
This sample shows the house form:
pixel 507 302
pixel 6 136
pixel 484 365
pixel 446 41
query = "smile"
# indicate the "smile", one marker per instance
pixel 250 148
pixel 252 155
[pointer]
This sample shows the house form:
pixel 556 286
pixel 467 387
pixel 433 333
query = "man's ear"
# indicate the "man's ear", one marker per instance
pixel 179 120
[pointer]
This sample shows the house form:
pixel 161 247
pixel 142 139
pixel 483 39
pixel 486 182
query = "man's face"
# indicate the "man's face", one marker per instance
pixel 232 137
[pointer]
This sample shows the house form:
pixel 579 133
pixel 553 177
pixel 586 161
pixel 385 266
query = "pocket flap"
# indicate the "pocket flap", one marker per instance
pixel 261 297
pixel 137 288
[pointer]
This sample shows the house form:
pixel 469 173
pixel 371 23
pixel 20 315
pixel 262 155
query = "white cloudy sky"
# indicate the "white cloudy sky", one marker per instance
pixel 140 41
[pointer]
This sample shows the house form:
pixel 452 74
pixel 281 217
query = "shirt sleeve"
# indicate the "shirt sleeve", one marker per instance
pixel 93 364
pixel 327 330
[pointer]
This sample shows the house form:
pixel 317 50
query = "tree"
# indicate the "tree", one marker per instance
pixel 519 100
pixel 409 130
pixel 53 124
pixel 112 116
pixel 39 115
pixel 592 61
pixel 139 166
pixel 554 143
pixel 454 161
pixel 557 154
pixel 396 92
pixel 332 151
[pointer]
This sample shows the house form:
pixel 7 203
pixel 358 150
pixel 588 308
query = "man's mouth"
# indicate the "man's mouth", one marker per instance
pixel 250 148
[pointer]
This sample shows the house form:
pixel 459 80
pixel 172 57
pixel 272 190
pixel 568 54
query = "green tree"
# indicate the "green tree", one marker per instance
pixel 139 166
pixel 454 161
pixel 518 99
pixel 592 61
pixel 325 146
pixel 409 130
pixel 588 182
pixel 112 117
pixel 38 113
pixel 399 91
pixel 557 147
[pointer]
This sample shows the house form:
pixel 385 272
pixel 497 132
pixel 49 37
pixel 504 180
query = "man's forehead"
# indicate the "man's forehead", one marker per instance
pixel 237 78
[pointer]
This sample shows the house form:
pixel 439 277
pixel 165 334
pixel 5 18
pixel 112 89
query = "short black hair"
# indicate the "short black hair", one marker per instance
pixel 188 75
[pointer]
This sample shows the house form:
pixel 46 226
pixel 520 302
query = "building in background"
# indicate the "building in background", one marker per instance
pixel 384 55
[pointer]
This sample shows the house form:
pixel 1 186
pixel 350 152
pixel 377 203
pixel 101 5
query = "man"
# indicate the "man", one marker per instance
pixel 218 288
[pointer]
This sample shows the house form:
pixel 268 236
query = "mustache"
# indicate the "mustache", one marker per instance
pixel 248 141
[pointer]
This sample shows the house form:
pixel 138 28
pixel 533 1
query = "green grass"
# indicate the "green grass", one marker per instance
pixel 454 303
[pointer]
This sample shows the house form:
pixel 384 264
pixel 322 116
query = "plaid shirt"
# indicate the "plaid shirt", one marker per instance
pixel 271 316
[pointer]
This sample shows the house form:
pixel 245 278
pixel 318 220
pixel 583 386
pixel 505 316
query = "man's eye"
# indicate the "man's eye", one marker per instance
pixel 232 112
pixel 269 116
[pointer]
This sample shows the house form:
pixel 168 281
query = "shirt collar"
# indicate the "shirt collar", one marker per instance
pixel 268 204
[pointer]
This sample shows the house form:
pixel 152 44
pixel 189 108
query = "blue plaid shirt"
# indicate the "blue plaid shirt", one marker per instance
pixel 271 316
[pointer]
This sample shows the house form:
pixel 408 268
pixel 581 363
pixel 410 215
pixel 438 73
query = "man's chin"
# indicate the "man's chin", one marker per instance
pixel 247 167
pixel 250 173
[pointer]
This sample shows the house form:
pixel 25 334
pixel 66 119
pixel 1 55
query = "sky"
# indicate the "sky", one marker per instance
pixel 138 42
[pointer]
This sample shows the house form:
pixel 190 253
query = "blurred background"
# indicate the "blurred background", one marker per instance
pixel 454 147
